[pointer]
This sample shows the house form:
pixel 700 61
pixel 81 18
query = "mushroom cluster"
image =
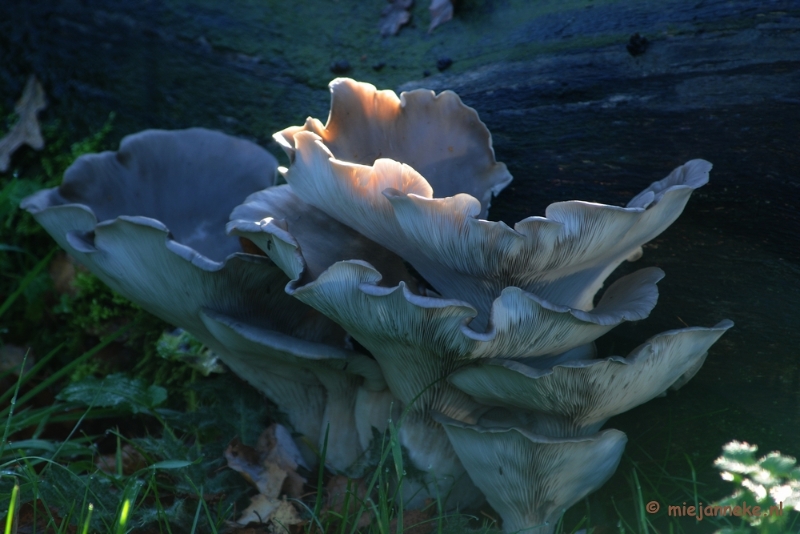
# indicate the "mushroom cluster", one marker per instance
pixel 371 283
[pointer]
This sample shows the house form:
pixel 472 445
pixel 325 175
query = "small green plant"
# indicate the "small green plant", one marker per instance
pixel 767 494
pixel 41 314
pixel 23 243
pixel 158 480
pixel 180 346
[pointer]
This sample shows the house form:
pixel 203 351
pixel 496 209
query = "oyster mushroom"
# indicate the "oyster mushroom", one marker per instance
pixel 437 135
pixel 524 294
pixel 149 220
pixel 530 480
pixel 350 380
pixel 576 398
pixel 419 340
pixel 564 257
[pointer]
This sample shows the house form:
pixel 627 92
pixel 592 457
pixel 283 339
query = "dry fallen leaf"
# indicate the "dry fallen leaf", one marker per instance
pixel 62 272
pixel 12 358
pixel 266 476
pixel 132 461
pixel 276 443
pixel 395 15
pixel 270 467
pixel 415 521
pixel 337 491
pixel 263 509
pixel 26 131
pixel 285 514
pixel 441 12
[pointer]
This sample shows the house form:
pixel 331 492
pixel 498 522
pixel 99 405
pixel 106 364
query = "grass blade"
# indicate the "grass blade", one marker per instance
pixel 318 503
pixel 640 515
pixel 12 511
pixel 123 516
pixel 7 428
pixel 71 366
pixel 197 512
pixel 32 372
pixel 397 454
pixel 32 274
pixel 88 520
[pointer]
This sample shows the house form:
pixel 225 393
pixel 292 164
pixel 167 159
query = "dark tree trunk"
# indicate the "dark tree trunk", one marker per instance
pixel 573 113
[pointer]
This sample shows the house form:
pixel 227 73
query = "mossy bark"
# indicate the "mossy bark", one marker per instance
pixel 572 113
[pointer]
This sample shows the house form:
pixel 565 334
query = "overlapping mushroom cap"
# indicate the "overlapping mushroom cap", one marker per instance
pixel 575 398
pixel 149 220
pixel 437 135
pixel 501 297
pixel 563 258
pixel 507 293
pixel 380 233
pixel 531 479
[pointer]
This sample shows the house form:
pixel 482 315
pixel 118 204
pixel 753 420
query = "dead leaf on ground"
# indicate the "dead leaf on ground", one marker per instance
pixel 441 12
pixel 12 357
pixel 277 443
pixel 341 489
pixel 271 467
pixel 279 512
pixel 416 521
pixel 235 528
pixel 32 517
pixel 132 461
pixel 264 528
pixel 394 16
pixel 265 476
pixel 62 271
pixel 281 450
pixel 26 131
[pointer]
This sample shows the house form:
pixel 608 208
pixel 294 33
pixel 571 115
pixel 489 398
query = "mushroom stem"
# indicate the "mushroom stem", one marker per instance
pixel 338 421
pixel 374 410
pixel 443 476
pixel 302 403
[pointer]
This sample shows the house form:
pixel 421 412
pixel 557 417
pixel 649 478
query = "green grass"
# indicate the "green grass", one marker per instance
pixel 168 493
pixel 67 404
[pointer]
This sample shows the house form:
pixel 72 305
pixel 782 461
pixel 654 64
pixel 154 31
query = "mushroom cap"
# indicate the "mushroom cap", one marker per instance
pixel 437 135
pixel 307 240
pixel 575 398
pixel 530 480
pixel 107 213
pixel 184 268
pixel 564 257
pixel 419 340
pixel 189 180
